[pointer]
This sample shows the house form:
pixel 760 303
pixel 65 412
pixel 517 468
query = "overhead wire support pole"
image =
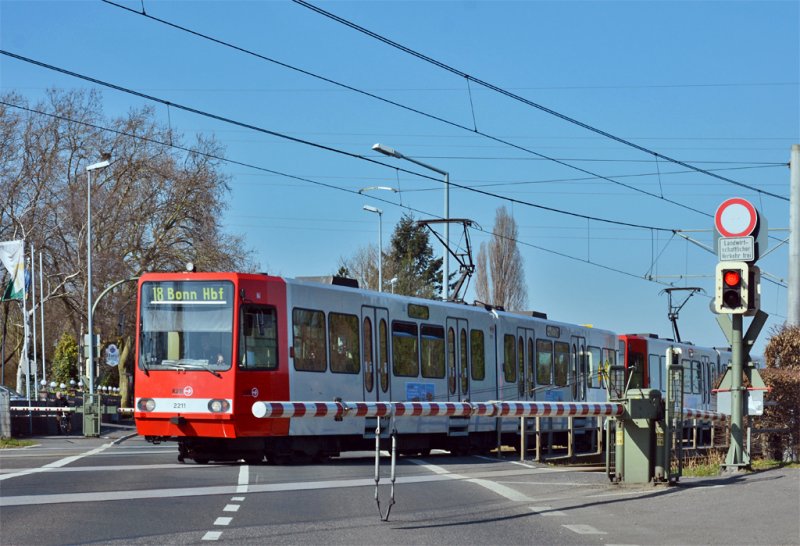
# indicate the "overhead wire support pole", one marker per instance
pixel 793 293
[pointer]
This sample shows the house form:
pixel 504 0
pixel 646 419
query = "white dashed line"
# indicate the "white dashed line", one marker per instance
pixel 502 490
pixel 237 499
pixel 212 535
pixel 223 521
pixel 231 508
pixel 244 478
pixel 584 529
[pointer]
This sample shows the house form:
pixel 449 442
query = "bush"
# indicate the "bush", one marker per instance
pixel 65 360
pixel 782 376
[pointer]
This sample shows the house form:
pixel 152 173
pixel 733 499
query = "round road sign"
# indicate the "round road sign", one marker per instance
pixel 736 217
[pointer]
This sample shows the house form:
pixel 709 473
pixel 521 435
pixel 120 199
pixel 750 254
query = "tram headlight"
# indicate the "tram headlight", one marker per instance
pixel 146 404
pixel 217 405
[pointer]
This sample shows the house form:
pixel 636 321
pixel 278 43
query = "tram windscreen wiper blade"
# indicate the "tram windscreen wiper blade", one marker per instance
pixel 183 365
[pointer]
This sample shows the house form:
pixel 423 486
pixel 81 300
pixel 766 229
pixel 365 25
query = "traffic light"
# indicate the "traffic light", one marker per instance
pixel 731 287
pixel 737 288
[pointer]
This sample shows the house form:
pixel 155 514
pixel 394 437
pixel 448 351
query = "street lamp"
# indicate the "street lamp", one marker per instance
pixel 387 188
pixel 379 212
pixel 90 348
pixel 391 152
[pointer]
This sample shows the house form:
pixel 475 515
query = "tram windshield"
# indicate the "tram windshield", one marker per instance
pixel 186 325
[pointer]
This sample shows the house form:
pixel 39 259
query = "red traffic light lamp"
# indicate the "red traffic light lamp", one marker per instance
pixel 737 288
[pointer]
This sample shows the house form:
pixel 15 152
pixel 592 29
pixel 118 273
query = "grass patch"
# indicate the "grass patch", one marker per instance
pixel 769 464
pixel 10 443
pixel 708 464
pixel 711 464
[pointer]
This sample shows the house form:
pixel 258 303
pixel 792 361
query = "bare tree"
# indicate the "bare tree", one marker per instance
pixel 502 283
pixel 156 207
pixel 362 266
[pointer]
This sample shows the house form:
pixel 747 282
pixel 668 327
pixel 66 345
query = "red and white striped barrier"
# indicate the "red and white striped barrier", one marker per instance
pixel 557 409
pixel 703 415
pixel 43 409
pixel 265 410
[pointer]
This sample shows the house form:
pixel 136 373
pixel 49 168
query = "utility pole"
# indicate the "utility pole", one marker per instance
pixel 793 292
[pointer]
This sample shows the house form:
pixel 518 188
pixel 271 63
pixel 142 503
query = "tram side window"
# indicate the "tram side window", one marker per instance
pixel 635 376
pixel 432 351
pixel 369 368
pixel 464 362
pixel 654 370
pixel 345 346
pixel 258 342
pixel 308 333
pixel 451 360
pixel 478 355
pixel 529 378
pixel 544 361
pixel 405 349
pixel 687 376
pixel 609 359
pixel 521 365
pixel 383 354
pixel 595 362
pixel 561 363
pixel 510 358
pixel 697 377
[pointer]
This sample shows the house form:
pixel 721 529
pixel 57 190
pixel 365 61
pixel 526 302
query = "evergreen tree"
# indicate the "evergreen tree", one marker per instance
pixel 410 260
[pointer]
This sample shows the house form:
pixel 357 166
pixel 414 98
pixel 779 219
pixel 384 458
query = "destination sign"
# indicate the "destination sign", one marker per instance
pixel 736 249
pixel 189 293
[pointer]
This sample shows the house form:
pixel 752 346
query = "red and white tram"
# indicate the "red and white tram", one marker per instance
pixel 209 345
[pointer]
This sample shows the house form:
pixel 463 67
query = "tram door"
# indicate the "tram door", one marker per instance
pixel 458 355
pixel 526 373
pixel 578 368
pixel 375 353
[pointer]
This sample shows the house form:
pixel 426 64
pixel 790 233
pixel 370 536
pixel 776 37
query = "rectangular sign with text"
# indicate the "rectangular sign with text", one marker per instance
pixel 736 249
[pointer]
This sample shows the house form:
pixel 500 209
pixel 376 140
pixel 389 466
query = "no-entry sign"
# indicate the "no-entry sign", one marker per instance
pixel 736 217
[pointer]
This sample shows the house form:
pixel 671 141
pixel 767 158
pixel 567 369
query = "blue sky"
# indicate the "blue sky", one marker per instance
pixel 714 84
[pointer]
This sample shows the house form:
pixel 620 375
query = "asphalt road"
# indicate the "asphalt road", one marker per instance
pixel 121 490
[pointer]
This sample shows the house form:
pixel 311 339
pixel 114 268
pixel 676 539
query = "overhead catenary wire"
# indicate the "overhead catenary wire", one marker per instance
pixel 305 142
pixel 523 100
pixel 473 130
pixel 475 227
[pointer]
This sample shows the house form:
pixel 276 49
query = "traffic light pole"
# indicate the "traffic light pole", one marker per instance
pixel 736 457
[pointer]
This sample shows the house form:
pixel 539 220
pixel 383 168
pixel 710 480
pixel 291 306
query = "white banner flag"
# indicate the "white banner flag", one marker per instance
pixel 12 254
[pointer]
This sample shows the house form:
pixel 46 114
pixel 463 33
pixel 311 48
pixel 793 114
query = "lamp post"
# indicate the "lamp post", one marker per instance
pixel 379 212
pixel 391 152
pixel 90 348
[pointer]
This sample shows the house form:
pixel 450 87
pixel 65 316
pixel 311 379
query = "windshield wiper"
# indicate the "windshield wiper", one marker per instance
pixel 182 365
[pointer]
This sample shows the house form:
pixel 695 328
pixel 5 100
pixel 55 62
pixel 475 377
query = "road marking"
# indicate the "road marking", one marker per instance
pixel 244 478
pixel 237 499
pixel 439 474
pixel 546 511
pixel 223 521
pixel 502 490
pixel 115 468
pixel 231 508
pixel 427 466
pixel 56 464
pixel 212 535
pixel 584 529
